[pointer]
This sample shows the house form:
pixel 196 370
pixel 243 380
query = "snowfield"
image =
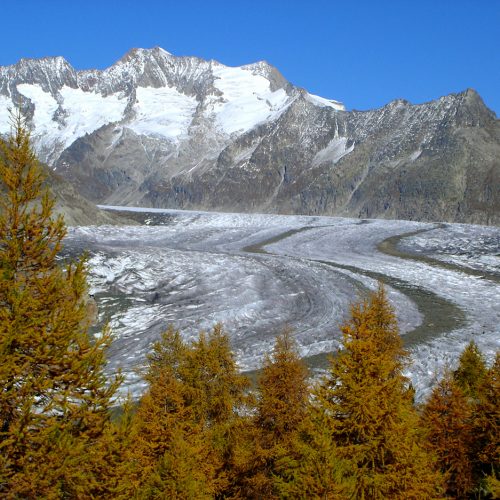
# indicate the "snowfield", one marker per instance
pixel 257 273
pixel 185 92
pixel 247 99
pixel 85 112
pixel 163 112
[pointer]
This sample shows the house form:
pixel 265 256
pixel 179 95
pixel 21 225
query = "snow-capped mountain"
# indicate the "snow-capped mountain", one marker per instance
pixel 149 92
pixel 159 130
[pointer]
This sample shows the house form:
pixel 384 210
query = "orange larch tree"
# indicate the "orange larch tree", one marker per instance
pixel 486 430
pixel 54 397
pixel 185 423
pixel 471 370
pixel 282 404
pixel 447 418
pixel 366 404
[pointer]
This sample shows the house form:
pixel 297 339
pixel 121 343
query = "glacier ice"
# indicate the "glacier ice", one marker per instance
pixel 256 273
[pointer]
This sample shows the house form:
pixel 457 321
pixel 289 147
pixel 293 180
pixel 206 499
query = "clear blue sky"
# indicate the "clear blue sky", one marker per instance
pixel 364 53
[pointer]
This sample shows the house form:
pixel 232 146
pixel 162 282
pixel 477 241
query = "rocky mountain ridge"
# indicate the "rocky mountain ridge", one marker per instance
pixel 181 132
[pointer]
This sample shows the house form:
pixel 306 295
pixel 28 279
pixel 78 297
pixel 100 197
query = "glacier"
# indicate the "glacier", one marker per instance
pixel 256 273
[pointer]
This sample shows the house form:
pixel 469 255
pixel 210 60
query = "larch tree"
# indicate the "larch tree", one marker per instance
pixel 54 399
pixel 213 376
pixel 282 403
pixel 486 432
pixel 447 419
pixel 166 456
pixel 471 370
pixel 283 390
pixel 219 397
pixel 109 458
pixel 462 419
pixel 481 388
pixel 185 421
pixel 313 468
pixel 366 404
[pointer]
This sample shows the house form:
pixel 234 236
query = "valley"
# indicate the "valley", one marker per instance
pixel 256 273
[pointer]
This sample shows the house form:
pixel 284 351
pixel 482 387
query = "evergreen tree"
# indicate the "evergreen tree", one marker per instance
pixel 447 418
pixel 366 404
pixel 282 403
pixel 486 432
pixel 54 400
pixel 471 370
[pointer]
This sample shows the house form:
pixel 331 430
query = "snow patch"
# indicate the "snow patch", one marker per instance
pixel 324 103
pixel 415 155
pixel 88 111
pixel 163 112
pixel 245 154
pixel 5 105
pixel 45 107
pixel 333 152
pixel 248 99
pixel 84 112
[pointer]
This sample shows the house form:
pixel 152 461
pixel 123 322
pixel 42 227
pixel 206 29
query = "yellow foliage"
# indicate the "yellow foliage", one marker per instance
pixel 54 399
pixel 366 403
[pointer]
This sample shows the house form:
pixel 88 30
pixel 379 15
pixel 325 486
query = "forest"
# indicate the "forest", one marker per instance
pixel 202 429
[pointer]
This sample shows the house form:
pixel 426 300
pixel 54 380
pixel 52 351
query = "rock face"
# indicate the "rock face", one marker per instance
pixel 180 132
pixel 77 210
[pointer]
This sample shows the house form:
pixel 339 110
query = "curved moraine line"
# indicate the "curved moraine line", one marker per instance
pixel 439 315
pixel 389 246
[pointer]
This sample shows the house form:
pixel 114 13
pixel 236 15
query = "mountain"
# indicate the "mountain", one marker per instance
pixel 181 132
pixel 77 210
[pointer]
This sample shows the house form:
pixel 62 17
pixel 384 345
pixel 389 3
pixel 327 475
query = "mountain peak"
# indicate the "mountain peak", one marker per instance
pixel 470 107
pixel 51 63
pixel 139 52
pixel 49 73
pixel 472 97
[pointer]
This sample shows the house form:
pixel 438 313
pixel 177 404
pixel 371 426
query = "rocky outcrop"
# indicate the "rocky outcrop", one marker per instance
pixel 77 210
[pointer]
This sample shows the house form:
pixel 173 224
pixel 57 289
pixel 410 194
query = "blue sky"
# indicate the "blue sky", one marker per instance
pixel 364 53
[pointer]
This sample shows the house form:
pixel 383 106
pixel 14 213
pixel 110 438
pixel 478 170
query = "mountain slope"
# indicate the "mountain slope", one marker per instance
pixel 165 131
pixel 77 210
